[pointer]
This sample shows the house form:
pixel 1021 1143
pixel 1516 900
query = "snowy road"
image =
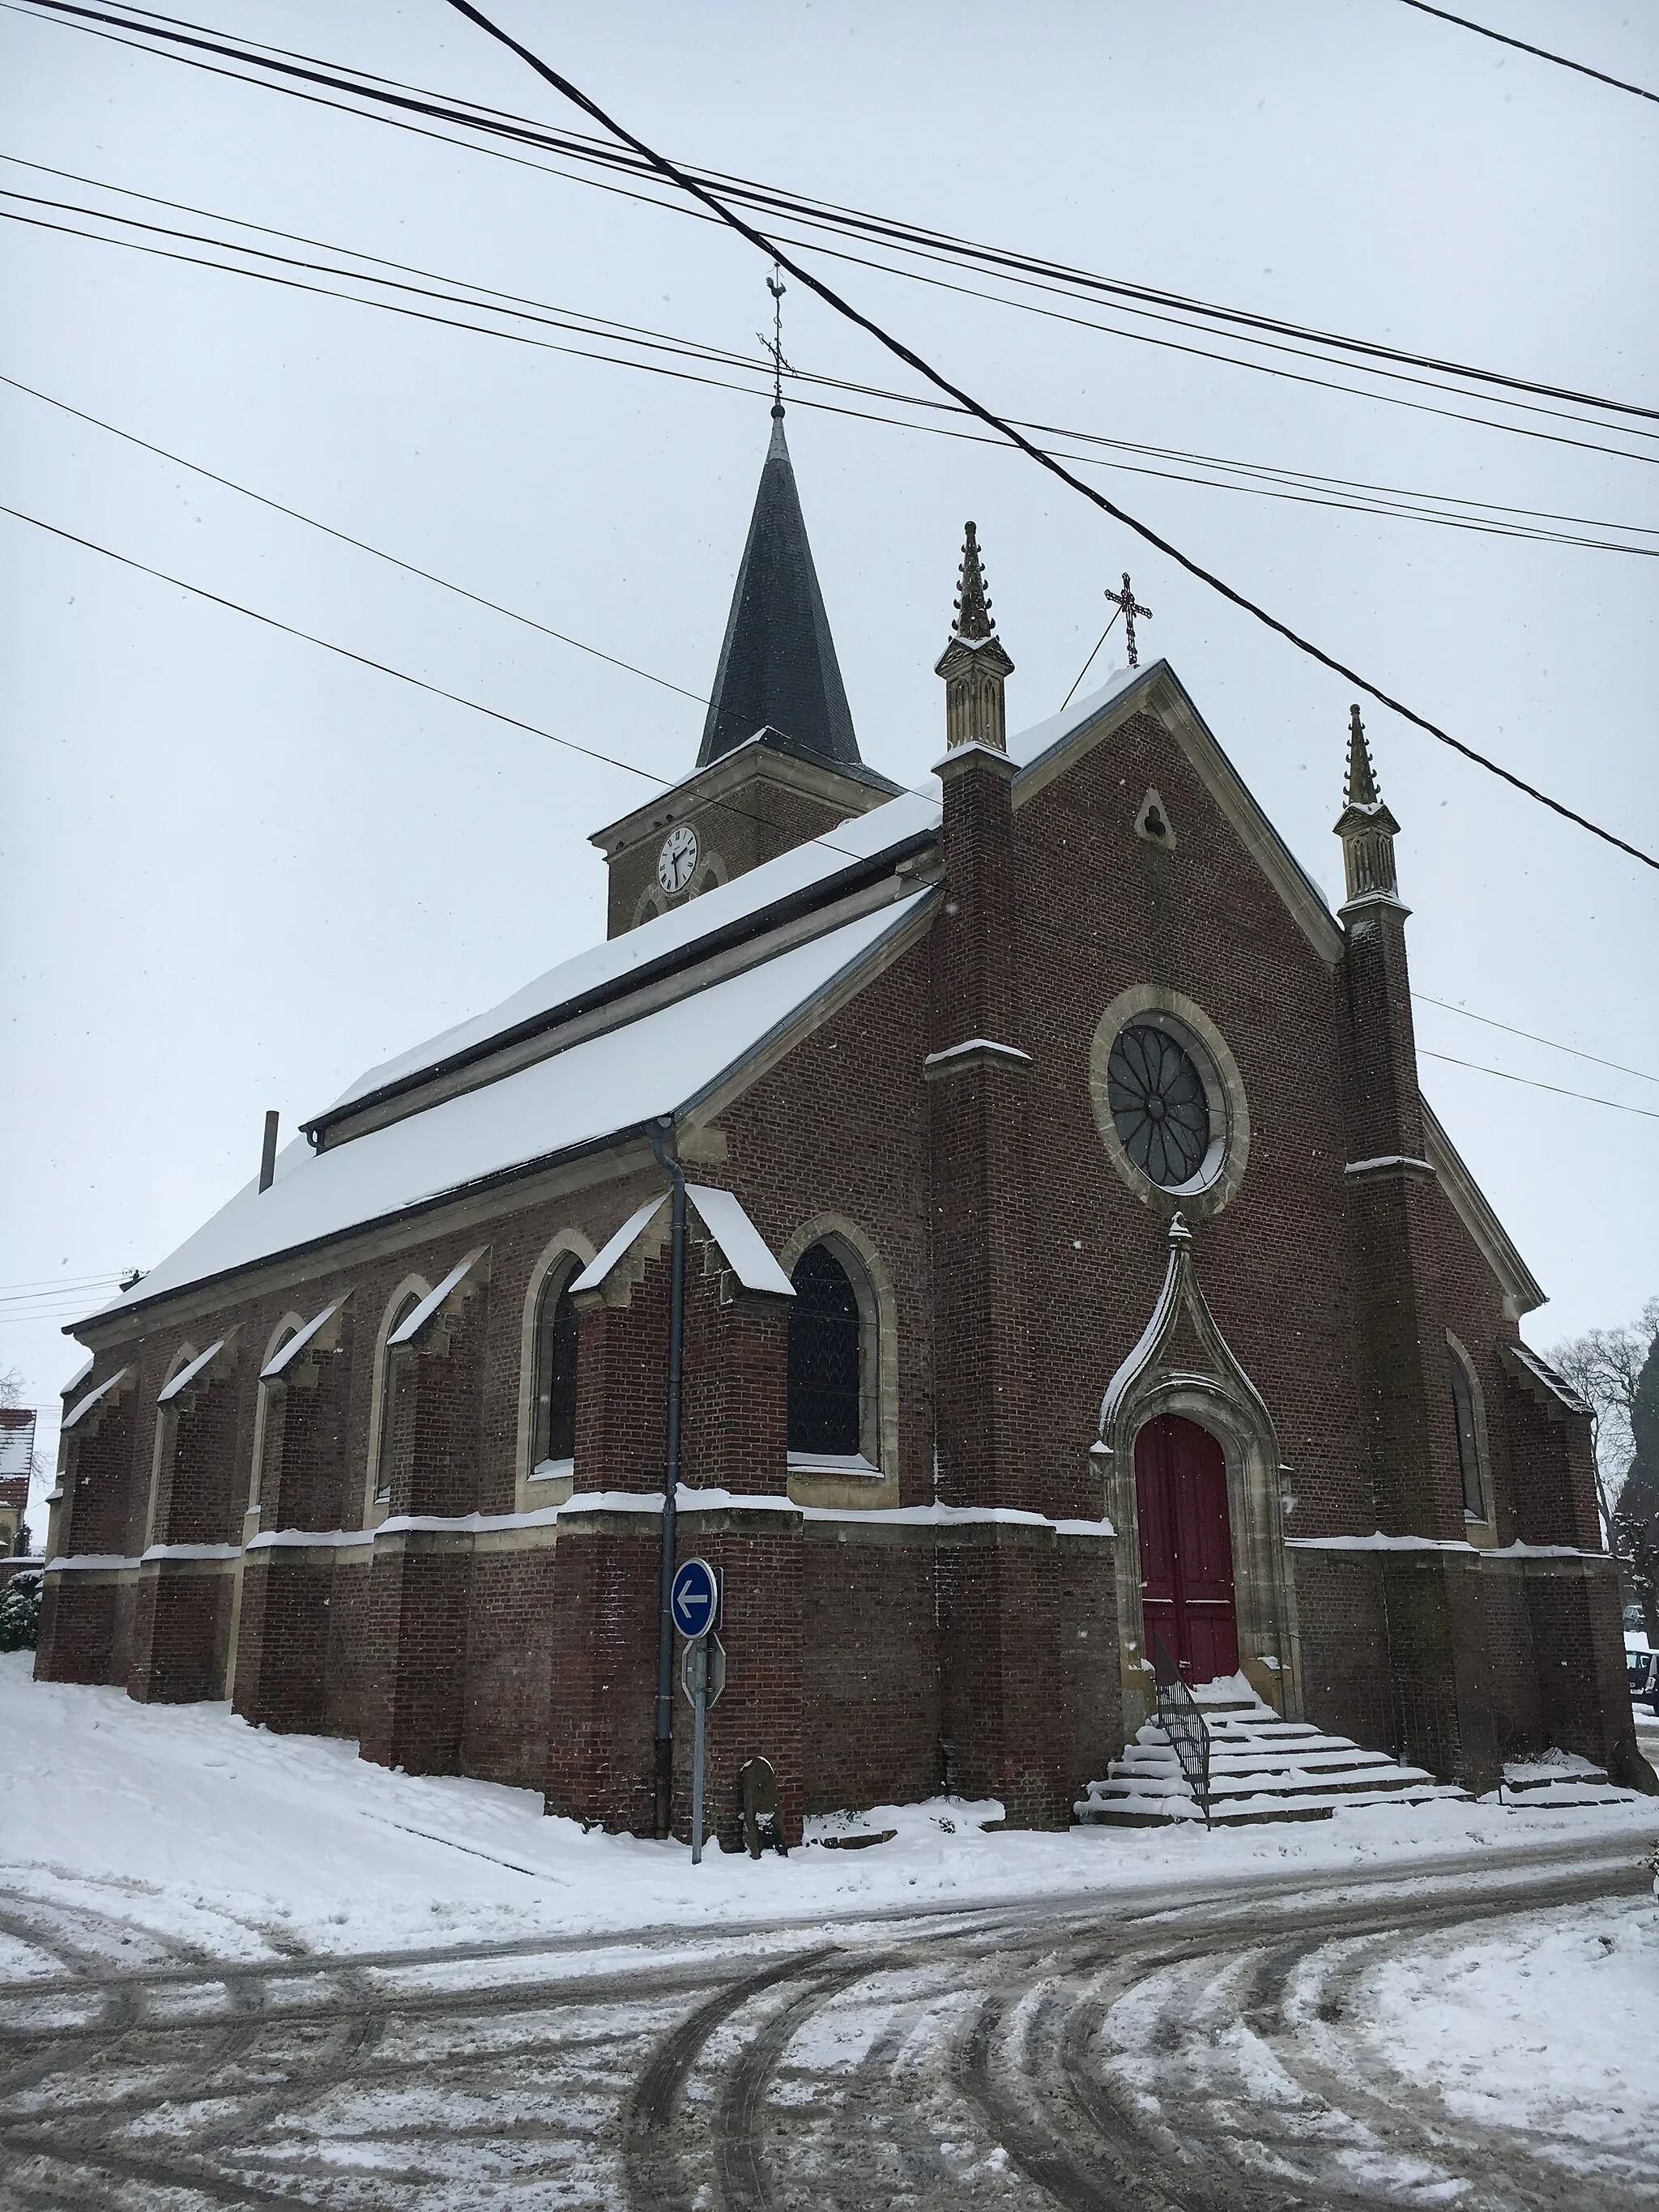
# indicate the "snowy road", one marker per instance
pixel 1174 2049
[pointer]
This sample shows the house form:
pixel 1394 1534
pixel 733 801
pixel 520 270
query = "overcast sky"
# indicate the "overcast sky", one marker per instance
pixel 238 869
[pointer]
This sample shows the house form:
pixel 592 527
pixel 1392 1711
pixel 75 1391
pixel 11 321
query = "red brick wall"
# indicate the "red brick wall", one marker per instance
pixel 870 1694
pixel 180 1633
pixel 508 1667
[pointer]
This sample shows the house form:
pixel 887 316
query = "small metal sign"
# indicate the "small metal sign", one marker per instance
pixel 694 1600
pixel 716 1682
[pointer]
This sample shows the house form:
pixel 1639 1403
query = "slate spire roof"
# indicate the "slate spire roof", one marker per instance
pixel 778 670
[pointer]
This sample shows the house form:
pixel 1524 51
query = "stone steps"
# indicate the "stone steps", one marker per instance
pixel 1561 1777
pixel 1262 1769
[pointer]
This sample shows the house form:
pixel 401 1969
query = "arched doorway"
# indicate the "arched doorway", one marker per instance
pixel 1185 1548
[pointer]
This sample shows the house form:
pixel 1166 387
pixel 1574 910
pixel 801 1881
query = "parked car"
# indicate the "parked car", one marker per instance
pixel 1643 1667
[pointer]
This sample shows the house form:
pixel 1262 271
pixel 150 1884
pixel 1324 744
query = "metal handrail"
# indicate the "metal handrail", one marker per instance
pixel 1182 1723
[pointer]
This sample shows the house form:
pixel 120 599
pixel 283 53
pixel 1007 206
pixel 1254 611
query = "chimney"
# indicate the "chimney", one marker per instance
pixel 268 1152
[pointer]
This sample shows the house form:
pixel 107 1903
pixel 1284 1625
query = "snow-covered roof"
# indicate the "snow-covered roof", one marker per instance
pixel 600 1088
pixel 16 1440
pixel 912 817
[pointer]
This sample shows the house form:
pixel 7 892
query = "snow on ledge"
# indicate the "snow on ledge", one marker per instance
pixel 314 1540
pixel 86 1562
pixel 649 1503
pixel 974 1044
pixel 191 1552
pixel 182 1380
pixel 1388 1160
pixel 1379 1543
pixel 1376 1542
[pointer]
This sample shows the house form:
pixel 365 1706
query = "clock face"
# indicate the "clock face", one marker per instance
pixel 678 860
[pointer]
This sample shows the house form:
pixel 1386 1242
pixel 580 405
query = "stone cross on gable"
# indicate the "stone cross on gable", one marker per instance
pixel 1128 606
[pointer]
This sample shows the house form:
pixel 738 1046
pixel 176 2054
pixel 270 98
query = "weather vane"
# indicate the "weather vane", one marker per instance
pixel 777 287
pixel 1122 603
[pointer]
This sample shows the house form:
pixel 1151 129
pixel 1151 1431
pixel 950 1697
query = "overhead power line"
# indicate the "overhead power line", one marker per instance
pixel 402 675
pixel 1532 1037
pixel 1015 437
pixel 1542 53
pixel 1532 1083
pixel 286 71
pixel 1297 487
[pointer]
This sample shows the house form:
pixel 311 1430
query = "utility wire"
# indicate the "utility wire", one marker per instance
pixel 1532 1083
pixel 917 240
pixel 1532 1037
pixel 1543 54
pixel 418 682
pixel 1262 480
pixel 914 361
pixel 511 302
pixel 361 544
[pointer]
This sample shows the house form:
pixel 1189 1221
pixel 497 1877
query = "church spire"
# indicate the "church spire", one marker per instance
pixel 974 664
pixel 1365 826
pixel 778 673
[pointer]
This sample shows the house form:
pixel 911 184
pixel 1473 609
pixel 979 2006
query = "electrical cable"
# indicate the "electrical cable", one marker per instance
pixel 1650 1113
pixel 924 368
pixel 1297 487
pixel 1532 1037
pixel 512 302
pixel 898 235
pixel 418 682
pixel 1542 52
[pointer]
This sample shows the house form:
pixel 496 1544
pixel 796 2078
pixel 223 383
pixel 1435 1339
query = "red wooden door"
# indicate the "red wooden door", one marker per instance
pixel 1185 1548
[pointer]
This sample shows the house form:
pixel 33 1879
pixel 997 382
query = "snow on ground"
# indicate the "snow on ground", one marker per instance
pixel 1545 2023
pixel 186 1822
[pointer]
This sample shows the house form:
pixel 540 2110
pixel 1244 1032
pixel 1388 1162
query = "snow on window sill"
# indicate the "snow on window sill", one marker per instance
pixel 841 1463
pixel 553 1470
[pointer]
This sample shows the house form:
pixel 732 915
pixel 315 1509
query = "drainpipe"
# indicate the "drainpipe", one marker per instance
pixel 664 1771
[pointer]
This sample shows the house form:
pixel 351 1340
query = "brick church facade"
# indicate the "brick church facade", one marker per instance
pixel 1072 1262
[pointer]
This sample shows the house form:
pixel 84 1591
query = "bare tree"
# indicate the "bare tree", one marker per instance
pixel 1604 1366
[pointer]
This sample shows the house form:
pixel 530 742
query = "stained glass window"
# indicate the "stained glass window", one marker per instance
pixel 555 1372
pixel 823 1356
pixel 1160 1109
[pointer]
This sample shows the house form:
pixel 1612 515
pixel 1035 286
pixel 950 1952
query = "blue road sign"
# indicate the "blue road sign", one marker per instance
pixel 695 1598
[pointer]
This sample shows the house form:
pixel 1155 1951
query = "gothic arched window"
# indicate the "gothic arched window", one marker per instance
pixel 1469 1455
pixel 395 1320
pixel 553 1414
pixel 825 1396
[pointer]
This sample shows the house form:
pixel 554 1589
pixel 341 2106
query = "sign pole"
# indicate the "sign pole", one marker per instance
pixel 700 1702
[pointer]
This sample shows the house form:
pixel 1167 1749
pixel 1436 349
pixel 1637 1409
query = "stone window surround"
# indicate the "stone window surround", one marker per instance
pixel 567 1251
pixel 375 1507
pixel 1481 1533
pixel 832 1484
pixel 1158 1004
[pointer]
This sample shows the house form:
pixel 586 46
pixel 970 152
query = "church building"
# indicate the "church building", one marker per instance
pixel 1077 1288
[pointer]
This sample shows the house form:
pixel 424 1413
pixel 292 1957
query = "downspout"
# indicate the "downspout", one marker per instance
pixel 662 1823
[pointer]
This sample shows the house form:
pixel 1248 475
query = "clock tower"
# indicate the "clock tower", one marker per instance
pixel 780 761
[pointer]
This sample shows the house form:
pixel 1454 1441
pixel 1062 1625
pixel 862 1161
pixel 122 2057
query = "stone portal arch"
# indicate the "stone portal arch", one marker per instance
pixel 1183 1364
